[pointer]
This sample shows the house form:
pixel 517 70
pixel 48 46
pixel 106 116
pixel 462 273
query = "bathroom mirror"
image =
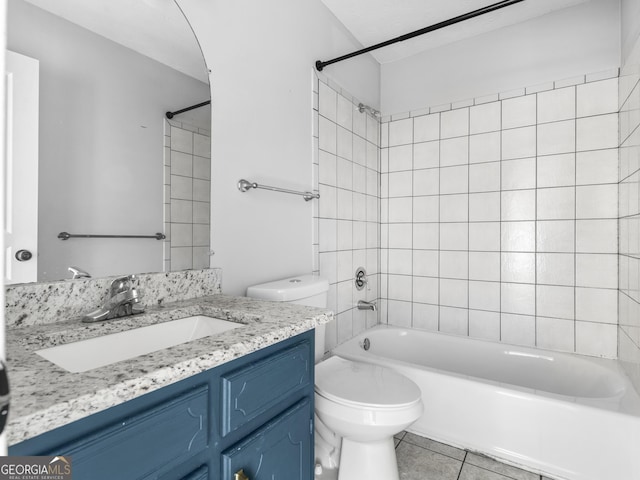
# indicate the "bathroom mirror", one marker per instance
pixel 109 161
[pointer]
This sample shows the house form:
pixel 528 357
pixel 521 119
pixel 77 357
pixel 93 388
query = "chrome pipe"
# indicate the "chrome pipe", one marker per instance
pixel 362 108
pixel 364 305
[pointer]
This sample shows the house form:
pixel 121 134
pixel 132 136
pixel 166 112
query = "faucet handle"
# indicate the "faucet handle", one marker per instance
pixel 78 273
pixel 121 284
pixel 361 279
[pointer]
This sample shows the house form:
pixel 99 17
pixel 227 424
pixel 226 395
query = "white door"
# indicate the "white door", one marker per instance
pixel 3 22
pixel 21 169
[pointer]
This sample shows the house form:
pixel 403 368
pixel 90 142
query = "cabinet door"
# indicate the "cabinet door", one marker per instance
pixel 143 444
pixel 280 450
pixel 201 473
pixel 251 390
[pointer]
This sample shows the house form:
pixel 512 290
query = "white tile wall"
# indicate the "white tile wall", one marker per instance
pixel 187 160
pixel 348 211
pixel 499 219
pixel 496 220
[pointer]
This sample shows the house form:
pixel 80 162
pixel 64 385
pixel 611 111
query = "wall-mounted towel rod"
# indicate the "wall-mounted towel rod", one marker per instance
pixel 67 236
pixel 245 185
pixel 186 109
pixel 481 11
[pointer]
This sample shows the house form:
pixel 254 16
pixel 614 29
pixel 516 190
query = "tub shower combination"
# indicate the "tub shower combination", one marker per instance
pixel 565 415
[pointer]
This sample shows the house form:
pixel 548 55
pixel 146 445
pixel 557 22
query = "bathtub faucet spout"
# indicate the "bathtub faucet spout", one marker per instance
pixel 363 305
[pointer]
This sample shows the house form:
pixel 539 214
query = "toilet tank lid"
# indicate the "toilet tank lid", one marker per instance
pixel 290 289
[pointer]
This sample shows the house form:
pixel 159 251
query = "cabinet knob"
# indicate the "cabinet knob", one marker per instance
pixel 240 475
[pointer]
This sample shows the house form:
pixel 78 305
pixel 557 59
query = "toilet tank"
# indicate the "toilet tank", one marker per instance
pixel 310 290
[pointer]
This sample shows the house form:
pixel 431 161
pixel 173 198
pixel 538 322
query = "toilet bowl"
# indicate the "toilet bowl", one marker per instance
pixel 358 407
pixel 365 405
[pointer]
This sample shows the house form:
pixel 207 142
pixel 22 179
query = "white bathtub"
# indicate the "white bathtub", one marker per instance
pixel 566 416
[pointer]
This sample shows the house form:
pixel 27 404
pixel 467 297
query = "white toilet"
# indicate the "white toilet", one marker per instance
pixel 359 407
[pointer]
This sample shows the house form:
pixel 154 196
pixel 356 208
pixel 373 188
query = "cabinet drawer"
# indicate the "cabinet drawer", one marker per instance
pixel 142 444
pixel 281 449
pixel 252 390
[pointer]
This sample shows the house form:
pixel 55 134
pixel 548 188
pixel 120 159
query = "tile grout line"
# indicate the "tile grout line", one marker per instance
pixel 575 222
pixel 413 169
pixel 466 452
pixel 439 324
pixel 468 222
pixel 535 232
pixel 500 336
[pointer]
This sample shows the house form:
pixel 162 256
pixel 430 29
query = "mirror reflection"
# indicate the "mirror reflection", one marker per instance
pixel 109 162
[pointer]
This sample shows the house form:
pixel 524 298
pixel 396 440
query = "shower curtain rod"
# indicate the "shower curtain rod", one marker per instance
pixel 192 107
pixel 460 18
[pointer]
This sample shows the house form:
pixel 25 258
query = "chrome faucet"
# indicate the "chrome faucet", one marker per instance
pixel 364 305
pixel 124 299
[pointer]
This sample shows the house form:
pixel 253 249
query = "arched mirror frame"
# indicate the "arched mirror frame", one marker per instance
pixel 95 176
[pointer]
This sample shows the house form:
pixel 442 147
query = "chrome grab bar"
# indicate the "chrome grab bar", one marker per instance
pixel 245 186
pixel 67 236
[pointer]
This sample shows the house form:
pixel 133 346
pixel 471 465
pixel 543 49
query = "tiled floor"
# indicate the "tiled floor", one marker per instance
pixel 420 459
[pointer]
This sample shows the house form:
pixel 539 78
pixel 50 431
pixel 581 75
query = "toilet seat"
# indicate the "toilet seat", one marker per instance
pixel 364 385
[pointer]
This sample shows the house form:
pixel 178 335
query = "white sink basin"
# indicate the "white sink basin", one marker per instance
pixel 100 351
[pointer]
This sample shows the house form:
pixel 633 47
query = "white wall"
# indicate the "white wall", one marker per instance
pixel 101 143
pixel 630 26
pixel 562 44
pixel 262 56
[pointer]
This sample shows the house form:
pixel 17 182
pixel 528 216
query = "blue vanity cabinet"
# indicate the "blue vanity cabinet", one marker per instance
pixel 201 473
pixel 254 414
pixel 278 450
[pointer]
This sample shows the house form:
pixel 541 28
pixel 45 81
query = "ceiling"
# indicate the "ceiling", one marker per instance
pixel 375 21
pixel 154 28
pixel 157 28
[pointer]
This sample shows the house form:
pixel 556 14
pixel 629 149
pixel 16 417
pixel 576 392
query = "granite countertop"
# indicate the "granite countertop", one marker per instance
pixel 45 396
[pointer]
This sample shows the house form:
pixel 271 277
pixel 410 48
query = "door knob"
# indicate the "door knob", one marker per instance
pixel 23 255
pixel 240 475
